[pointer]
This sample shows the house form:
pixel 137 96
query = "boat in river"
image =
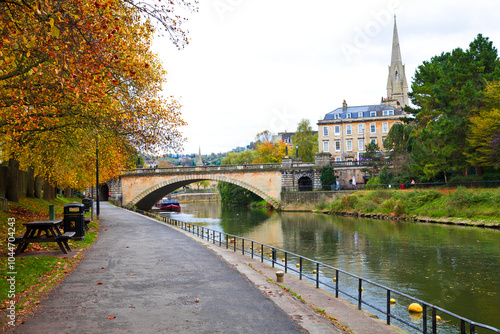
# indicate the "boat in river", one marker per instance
pixel 168 204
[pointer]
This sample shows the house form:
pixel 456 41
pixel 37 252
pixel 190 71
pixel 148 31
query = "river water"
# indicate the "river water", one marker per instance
pixel 453 267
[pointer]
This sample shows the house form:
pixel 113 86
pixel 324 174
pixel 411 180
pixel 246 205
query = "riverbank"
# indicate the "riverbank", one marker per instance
pixel 461 206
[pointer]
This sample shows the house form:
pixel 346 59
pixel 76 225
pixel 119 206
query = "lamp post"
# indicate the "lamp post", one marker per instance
pixel 97 208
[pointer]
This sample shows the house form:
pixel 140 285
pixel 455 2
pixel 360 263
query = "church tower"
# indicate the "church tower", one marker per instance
pixel 397 86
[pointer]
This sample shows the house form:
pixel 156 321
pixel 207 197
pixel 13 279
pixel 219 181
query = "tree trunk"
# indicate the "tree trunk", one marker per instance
pixel 67 192
pixel 30 187
pixel 38 187
pixel 46 190
pixel 11 191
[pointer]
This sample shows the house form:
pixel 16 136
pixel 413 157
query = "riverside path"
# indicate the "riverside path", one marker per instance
pixel 155 280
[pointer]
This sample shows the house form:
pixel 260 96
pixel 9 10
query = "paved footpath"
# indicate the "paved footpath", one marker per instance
pixel 156 279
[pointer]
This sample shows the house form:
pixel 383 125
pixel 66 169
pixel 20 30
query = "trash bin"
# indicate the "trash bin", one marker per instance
pixel 73 220
pixel 88 204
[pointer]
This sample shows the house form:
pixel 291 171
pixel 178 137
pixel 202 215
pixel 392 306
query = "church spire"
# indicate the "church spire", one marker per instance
pixel 199 162
pixel 397 86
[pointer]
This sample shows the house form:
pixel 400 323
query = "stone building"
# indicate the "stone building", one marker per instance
pixel 345 131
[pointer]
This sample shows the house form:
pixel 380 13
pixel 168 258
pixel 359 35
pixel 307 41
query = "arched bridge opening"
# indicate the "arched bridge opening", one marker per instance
pixel 147 198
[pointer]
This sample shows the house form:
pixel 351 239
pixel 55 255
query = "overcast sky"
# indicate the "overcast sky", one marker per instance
pixel 255 65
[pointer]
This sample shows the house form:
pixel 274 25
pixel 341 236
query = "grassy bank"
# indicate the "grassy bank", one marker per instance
pixel 461 203
pixel 35 275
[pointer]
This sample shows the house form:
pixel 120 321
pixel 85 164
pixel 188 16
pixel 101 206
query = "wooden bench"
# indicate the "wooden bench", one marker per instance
pixel 61 240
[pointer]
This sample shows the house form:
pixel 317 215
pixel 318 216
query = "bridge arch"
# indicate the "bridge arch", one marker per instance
pixel 146 199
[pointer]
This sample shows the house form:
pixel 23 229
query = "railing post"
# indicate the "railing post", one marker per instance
pixel 286 261
pixel 273 255
pixel 434 329
pixel 262 253
pixel 300 267
pixel 336 283
pixel 462 327
pixel 227 241
pixel 220 239
pixel 243 246
pixel 317 274
pixel 472 328
pixel 251 247
pixel 424 316
pixel 360 286
pixel 388 307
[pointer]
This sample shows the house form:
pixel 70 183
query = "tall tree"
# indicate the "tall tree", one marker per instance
pixel 372 159
pixel 306 142
pixel 448 91
pixel 399 143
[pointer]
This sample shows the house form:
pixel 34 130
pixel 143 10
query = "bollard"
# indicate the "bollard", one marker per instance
pixel 279 276
pixel 52 216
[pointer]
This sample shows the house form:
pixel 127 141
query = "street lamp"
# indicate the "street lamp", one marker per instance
pixel 97 208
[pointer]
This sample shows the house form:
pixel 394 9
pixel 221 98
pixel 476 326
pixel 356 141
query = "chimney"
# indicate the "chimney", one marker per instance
pixel 344 106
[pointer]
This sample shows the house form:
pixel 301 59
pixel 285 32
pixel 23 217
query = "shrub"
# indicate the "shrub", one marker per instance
pixel 348 202
pixel 398 208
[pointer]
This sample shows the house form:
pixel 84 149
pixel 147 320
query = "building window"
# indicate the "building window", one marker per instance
pixel 338 159
pixel 348 129
pixel 385 127
pixel 336 116
pixel 372 128
pixel 348 145
pixel 361 144
pixel 373 141
pixel 360 114
pixel 373 113
pixel 325 146
pixel 337 146
pixel 361 129
pixel 337 130
pixel 325 131
pixel 388 112
pixel 349 115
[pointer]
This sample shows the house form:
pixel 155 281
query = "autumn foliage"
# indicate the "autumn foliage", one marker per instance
pixel 79 74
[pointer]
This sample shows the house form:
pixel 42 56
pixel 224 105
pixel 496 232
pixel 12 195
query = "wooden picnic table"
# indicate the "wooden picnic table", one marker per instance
pixel 43 231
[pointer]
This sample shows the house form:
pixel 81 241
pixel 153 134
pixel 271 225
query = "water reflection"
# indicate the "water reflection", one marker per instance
pixel 457 268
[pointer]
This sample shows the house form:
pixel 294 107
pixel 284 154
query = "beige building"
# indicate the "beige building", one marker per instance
pixel 345 131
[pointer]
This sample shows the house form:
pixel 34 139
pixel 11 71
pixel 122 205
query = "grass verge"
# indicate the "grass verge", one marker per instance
pixel 462 203
pixel 34 276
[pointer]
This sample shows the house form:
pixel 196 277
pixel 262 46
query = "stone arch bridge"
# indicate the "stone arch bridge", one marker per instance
pixel 142 188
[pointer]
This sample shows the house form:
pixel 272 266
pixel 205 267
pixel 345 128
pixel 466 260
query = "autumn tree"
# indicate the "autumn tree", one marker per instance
pixel 485 128
pixel 79 75
pixel 268 152
pixel 399 144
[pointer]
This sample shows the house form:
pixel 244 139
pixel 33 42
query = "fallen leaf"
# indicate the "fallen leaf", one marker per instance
pixel 99 283
pixel 103 267
pixel 197 300
pixel 111 317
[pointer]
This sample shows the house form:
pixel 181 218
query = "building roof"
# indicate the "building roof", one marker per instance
pixel 355 110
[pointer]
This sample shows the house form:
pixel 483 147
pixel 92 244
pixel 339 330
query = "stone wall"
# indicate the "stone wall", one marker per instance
pixel 307 201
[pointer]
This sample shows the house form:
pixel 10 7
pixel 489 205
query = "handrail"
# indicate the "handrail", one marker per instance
pixel 210 235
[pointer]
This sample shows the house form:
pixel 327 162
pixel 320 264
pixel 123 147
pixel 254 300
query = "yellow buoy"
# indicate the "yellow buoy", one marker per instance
pixel 415 307
pixel 298 265
pixel 283 260
pixel 362 289
pixel 260 252
pixel 393 301
pixel 335 279
pixel 438 318
pixel 314 271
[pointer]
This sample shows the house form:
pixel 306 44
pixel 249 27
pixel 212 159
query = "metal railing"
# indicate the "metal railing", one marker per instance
pixel 5 203
pixel 323 273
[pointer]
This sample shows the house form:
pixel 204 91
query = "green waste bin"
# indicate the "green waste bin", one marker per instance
pixel 73 220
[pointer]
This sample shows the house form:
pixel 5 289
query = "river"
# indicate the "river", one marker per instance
pixel 453 267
